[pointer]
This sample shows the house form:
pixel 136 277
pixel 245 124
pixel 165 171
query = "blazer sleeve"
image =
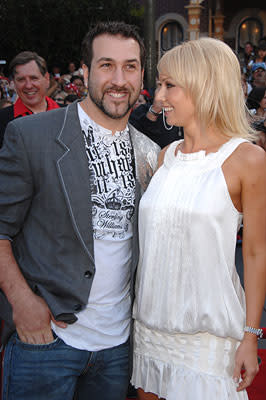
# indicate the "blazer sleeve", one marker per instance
pixel 16 183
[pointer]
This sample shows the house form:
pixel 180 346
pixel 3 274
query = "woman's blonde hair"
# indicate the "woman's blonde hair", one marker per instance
pixel 209 71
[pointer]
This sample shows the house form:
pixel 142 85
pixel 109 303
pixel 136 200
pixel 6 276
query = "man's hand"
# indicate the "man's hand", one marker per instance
pixel 32 318
pixel 31 314
pixel 156 106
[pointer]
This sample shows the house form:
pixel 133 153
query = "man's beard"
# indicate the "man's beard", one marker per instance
pixel 99 102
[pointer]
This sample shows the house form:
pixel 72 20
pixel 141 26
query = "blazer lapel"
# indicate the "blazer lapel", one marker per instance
pixel 135 242
pixel 73 173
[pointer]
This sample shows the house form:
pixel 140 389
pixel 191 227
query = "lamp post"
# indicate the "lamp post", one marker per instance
pixel 218 22
pixel 194 9
pixel 149 37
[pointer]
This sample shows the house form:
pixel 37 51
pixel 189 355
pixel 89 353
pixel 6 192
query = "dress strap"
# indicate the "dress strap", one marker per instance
pixel 170 152
pixel 228 148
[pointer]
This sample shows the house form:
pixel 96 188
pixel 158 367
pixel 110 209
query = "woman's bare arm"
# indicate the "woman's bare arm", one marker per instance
pixel 253 199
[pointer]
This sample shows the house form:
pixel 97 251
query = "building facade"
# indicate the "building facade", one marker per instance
pixel 235 22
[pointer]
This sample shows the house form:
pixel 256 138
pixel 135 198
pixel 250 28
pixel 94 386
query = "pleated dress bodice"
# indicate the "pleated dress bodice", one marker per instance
pixel 186 280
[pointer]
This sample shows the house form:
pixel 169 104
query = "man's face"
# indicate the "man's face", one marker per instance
pixel 115 76
pixel 248 49
pixel 258 73
pixel 30 84
pixel 71 67
pixel 80 85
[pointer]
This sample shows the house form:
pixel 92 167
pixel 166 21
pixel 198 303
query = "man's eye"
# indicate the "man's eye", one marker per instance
pixel 131 66
pixel 106 65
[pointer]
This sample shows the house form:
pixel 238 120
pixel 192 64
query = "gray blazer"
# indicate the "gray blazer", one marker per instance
pixel 45 207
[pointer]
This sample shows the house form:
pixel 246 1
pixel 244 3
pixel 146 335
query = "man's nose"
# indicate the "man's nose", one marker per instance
pixel 28 83
pixel 118 77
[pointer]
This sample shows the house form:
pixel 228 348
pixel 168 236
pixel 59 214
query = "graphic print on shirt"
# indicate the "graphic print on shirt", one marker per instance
pixel 112 181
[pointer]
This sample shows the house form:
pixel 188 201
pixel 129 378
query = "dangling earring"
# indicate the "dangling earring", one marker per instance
pixel 180 133
pixel 168 128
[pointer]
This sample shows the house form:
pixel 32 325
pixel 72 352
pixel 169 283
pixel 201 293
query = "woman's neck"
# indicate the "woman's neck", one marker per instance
pixel 209 139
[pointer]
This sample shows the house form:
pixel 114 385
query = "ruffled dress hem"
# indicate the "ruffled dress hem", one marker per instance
pixel 179 382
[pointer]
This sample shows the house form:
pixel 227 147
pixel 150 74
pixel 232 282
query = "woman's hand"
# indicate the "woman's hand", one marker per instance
pixel 246 358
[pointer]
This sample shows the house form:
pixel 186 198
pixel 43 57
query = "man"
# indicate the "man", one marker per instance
pixel 70 182
pixel 31 80
pixel 79 84
pixel 258 77
pixel 248 55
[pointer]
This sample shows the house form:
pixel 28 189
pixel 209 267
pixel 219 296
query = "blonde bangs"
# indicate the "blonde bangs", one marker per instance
pixel 208 70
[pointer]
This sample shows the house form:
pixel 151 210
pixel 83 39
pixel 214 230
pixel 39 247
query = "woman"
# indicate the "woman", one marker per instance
pixel 194 327
pixel 260 56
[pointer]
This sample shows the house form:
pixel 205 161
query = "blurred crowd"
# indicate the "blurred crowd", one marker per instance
pixel 253 65
pixel 68 86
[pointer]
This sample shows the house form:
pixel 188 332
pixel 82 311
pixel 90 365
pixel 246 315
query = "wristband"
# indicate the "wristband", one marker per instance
pixel 255 331
pixel 151 110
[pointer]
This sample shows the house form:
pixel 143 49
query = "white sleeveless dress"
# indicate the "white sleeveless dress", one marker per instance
pixel 189 308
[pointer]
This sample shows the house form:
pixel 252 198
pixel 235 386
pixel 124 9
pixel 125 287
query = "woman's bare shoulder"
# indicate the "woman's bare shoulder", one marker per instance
pixel 161 155
pixel 250 154
pixel 251 160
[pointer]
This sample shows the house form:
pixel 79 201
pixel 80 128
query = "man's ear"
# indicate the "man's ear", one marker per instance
pixel 47 77
pixel 85 74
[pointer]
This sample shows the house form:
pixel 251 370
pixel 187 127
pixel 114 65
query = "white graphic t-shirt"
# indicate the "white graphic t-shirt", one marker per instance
pixel 113 183
pixel 105 322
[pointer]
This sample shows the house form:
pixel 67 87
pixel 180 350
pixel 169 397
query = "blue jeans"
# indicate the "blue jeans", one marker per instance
pixel 56 371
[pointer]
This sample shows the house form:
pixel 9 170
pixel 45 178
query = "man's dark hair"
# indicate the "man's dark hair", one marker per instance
pixel 111 28
pixel 24 58
pixel 251 44
pixel 74 77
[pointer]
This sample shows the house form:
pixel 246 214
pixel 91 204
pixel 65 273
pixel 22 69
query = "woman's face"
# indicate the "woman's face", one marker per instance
pixel 178 106
pixel 261 53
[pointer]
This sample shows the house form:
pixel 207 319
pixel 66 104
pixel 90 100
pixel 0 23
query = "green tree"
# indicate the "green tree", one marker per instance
pixel 54 29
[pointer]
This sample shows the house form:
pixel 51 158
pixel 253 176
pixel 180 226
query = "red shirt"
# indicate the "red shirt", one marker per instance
pixel 20 110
